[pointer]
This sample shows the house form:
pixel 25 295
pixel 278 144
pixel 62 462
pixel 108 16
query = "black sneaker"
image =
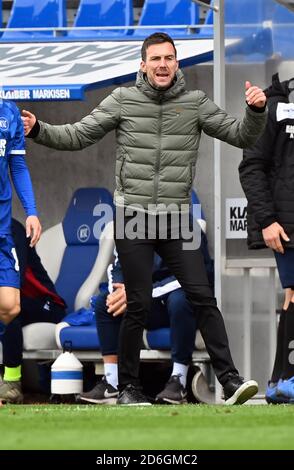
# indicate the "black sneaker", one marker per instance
pixel 131 396
pixel 236 391
pixel 173 393
pixel 103 392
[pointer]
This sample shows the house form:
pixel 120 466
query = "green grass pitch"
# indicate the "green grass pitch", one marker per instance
pixel 156 427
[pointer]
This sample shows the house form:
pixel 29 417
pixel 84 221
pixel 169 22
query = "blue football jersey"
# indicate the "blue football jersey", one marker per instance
pixel 12 153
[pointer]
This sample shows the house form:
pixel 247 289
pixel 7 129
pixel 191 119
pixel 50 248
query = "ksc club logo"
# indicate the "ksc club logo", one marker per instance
pixel 83 233
pixel 3 123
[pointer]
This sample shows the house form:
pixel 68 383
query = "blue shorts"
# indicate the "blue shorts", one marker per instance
pixel 285 265
pixel 9 268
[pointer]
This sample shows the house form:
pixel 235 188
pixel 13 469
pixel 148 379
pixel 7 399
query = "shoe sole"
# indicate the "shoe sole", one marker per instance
pixel 103 401
pixel 277 401
pixel 243 393
pixel 12 401
pixel 283 394
pixel 134 404
pixel 168 401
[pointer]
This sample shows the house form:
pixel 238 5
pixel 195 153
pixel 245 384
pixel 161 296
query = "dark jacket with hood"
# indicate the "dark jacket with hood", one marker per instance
pixel 267 169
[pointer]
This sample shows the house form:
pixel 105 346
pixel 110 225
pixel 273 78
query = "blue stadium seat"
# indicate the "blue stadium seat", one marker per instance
pixel 158 339
pixel 242 17
pixel 35 14
pixel 167 12
pixel 245 20
pixel 82 338
pixel 283 27
pixel 74 253
pixel 244 12
pixel 103 13
pixel 240 13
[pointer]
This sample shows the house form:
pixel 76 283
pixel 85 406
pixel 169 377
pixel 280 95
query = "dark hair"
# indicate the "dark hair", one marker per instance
pixel 156 38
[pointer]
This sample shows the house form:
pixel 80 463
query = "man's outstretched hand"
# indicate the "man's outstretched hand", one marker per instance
pixel 28 120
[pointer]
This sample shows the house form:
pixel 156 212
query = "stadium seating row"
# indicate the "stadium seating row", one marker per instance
pixel 117 16
pixel 97 13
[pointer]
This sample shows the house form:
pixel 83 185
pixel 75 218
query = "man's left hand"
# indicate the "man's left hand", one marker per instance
pixel 33 229
pixel 117 300
pixel 254 95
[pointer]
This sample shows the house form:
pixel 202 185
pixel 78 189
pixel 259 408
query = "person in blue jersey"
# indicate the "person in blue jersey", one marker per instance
pixel 39 303
pixel 12 162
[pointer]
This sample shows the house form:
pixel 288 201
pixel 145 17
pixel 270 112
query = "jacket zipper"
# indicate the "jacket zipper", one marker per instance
pixel 190 178
pixel 121 176
pixel 157 163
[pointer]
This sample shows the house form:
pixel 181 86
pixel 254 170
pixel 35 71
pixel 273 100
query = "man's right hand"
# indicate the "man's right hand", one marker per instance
pixel 28 120
pixel 33 229
pixel 117 300
pixel 272 237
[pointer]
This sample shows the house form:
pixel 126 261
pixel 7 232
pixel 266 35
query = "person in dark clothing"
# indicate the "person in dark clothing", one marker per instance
pixel 170 308
pixel 267 176
pixel 39 302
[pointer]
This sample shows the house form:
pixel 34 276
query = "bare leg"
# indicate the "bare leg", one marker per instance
pixel 9 304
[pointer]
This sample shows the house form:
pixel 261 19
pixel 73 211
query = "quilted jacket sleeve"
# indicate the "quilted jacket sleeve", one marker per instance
pixel 219 124
pixel 90 129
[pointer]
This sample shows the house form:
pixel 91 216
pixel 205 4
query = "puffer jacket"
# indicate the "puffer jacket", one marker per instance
pixel 267 169
pixel 158 135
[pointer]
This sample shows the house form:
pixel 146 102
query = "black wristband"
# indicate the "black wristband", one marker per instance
pixel 256 109
pixel 34 131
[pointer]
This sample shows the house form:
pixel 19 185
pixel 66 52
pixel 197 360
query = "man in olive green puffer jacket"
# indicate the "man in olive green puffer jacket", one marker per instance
pixel 158 126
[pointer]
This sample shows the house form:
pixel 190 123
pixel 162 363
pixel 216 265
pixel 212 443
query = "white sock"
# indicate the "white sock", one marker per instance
pixel 110 371
pixel 181 370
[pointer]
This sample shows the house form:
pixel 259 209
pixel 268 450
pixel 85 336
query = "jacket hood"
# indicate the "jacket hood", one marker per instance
pixel 277 88
pixel 157 95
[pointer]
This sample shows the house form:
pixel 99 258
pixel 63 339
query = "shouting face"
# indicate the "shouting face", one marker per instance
pixel 160 65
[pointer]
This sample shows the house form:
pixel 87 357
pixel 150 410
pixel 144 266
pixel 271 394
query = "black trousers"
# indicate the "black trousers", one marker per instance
pixel 32 311
pixel 136 258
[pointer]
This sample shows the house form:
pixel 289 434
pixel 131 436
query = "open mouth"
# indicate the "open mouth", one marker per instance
pixel 162 75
